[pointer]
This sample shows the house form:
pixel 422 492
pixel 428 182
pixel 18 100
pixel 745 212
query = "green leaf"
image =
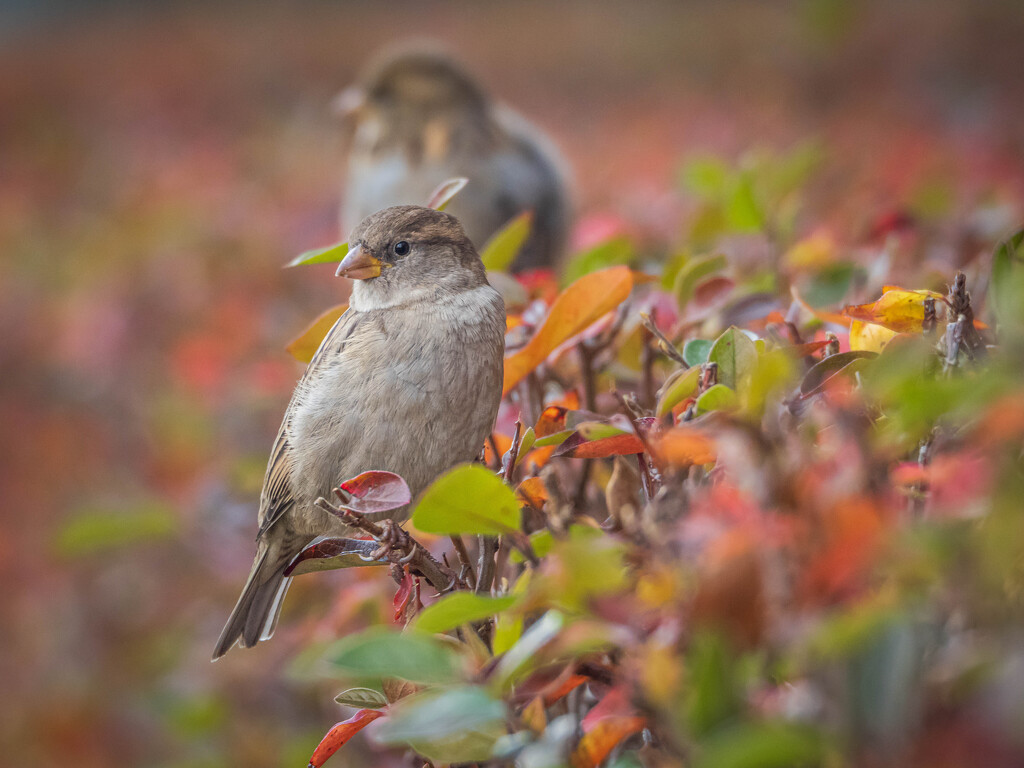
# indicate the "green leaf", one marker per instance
pixel 706 176
pixel 331 253
pixel 508 626
pixel 736 356
pixel 742 211
pixel 528 441
pixel 692 273
pixel 1007 269
pixel 829 286
pixel 717 398
pixel 445 191
pixel 680 385
pixel 362 698
pixel 610 253
pixel 503 247
pixel 695 351
pixel 468 499
pixel 556 438
pixel 457 725
pixel 381 653
pixel 97 530
pixel 762 745
pixel 459 608
pixel 520 657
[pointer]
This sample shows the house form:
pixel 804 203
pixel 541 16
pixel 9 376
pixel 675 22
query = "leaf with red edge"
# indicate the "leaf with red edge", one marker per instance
pixel 375 491
pixel 305 345
pixel 340 734
pixel 577 307
pixel 828 368
pixel 445 191
pixel 803 350
pixel 332 554
pixel 596 745
pixel 403 595
pixel 615 703
pixel 598 441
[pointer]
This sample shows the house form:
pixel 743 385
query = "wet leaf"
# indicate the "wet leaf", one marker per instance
pixel 305 345
pixel 576 308
pixel 376 491
pixel 328 255
pixel 340 734
pixel 459 608
pixel 467 499
pixel 444 193
pixel 503 247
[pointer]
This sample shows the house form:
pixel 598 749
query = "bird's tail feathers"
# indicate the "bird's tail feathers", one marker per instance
pixel 255 615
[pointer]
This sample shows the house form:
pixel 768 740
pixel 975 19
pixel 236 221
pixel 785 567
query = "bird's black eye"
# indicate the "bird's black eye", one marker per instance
pixel 401 248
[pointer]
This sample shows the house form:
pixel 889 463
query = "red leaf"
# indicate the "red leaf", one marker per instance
pixel 339 735
pixel 595 746
pixel 614 704
pixel 576 446
pixel 376 491
pixel 403 595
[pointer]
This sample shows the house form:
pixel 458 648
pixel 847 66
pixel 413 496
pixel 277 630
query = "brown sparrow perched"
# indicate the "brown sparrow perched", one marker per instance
pixel 408 380
pixel 418 119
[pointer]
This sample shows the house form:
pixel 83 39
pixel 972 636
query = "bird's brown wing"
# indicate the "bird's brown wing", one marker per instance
pixel 277 498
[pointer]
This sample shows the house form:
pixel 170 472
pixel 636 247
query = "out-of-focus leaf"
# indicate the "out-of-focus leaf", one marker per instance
pixel 712 694
pixel 616 251
pixel 1007 269
pixel 684 446
pixel 816 251
pixel 532 492
pixel 332 253
pixel 804 350
pixel 736 357
pixel 332 554
pixel 692 273
pixel 577 307
pixel 508 625
pixel 459 608
pixel 445 191
pixel 869 337
pixel 898 310
pixel 824 370
pixel 742 211
pixel 95 530
pixel 457 725
pixel 381 653
pixel 762 745
pixel 774 372
pixel 680 385
pixel 305 345
pixel 706 176
pixel 340 734
pixel 717 398
pixel 467 499
pixel 597 743
pixel 362 697
pixel 376 491
pixel 503 247
pixel 829 286
pixel 595 440
pixel 695 351
pixel 518 658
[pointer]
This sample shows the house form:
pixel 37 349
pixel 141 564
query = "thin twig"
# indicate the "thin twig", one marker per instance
pixel 467 563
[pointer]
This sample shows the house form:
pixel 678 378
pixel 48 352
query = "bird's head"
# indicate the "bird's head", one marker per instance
pixel 407 253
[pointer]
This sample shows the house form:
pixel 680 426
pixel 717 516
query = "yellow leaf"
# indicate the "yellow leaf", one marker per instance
pixel 898 310
pixel 305 345
pixel 869 337
pixel 816 250
pixel 576 308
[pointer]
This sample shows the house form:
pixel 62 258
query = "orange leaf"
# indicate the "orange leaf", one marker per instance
pixel 339 735
pixel 596 745
pixel 898 310
pixel 305 345
pixel 803 350
pixel 576 446
pixel 682 446
pixel 503 442
pixel 551 421
pixel 577 307
pixel 532 491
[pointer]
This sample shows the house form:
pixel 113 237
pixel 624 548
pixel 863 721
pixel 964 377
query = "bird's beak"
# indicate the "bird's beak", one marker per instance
pixel 359 264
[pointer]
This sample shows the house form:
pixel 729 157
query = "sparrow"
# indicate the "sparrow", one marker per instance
pixel 416 119
pixel 408 380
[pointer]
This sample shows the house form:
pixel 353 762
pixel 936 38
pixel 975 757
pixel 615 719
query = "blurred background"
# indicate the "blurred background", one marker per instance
pixel 159 162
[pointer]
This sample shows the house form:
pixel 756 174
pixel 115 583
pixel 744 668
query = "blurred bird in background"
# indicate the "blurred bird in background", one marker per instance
pixel 408 381
pixel 417 118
